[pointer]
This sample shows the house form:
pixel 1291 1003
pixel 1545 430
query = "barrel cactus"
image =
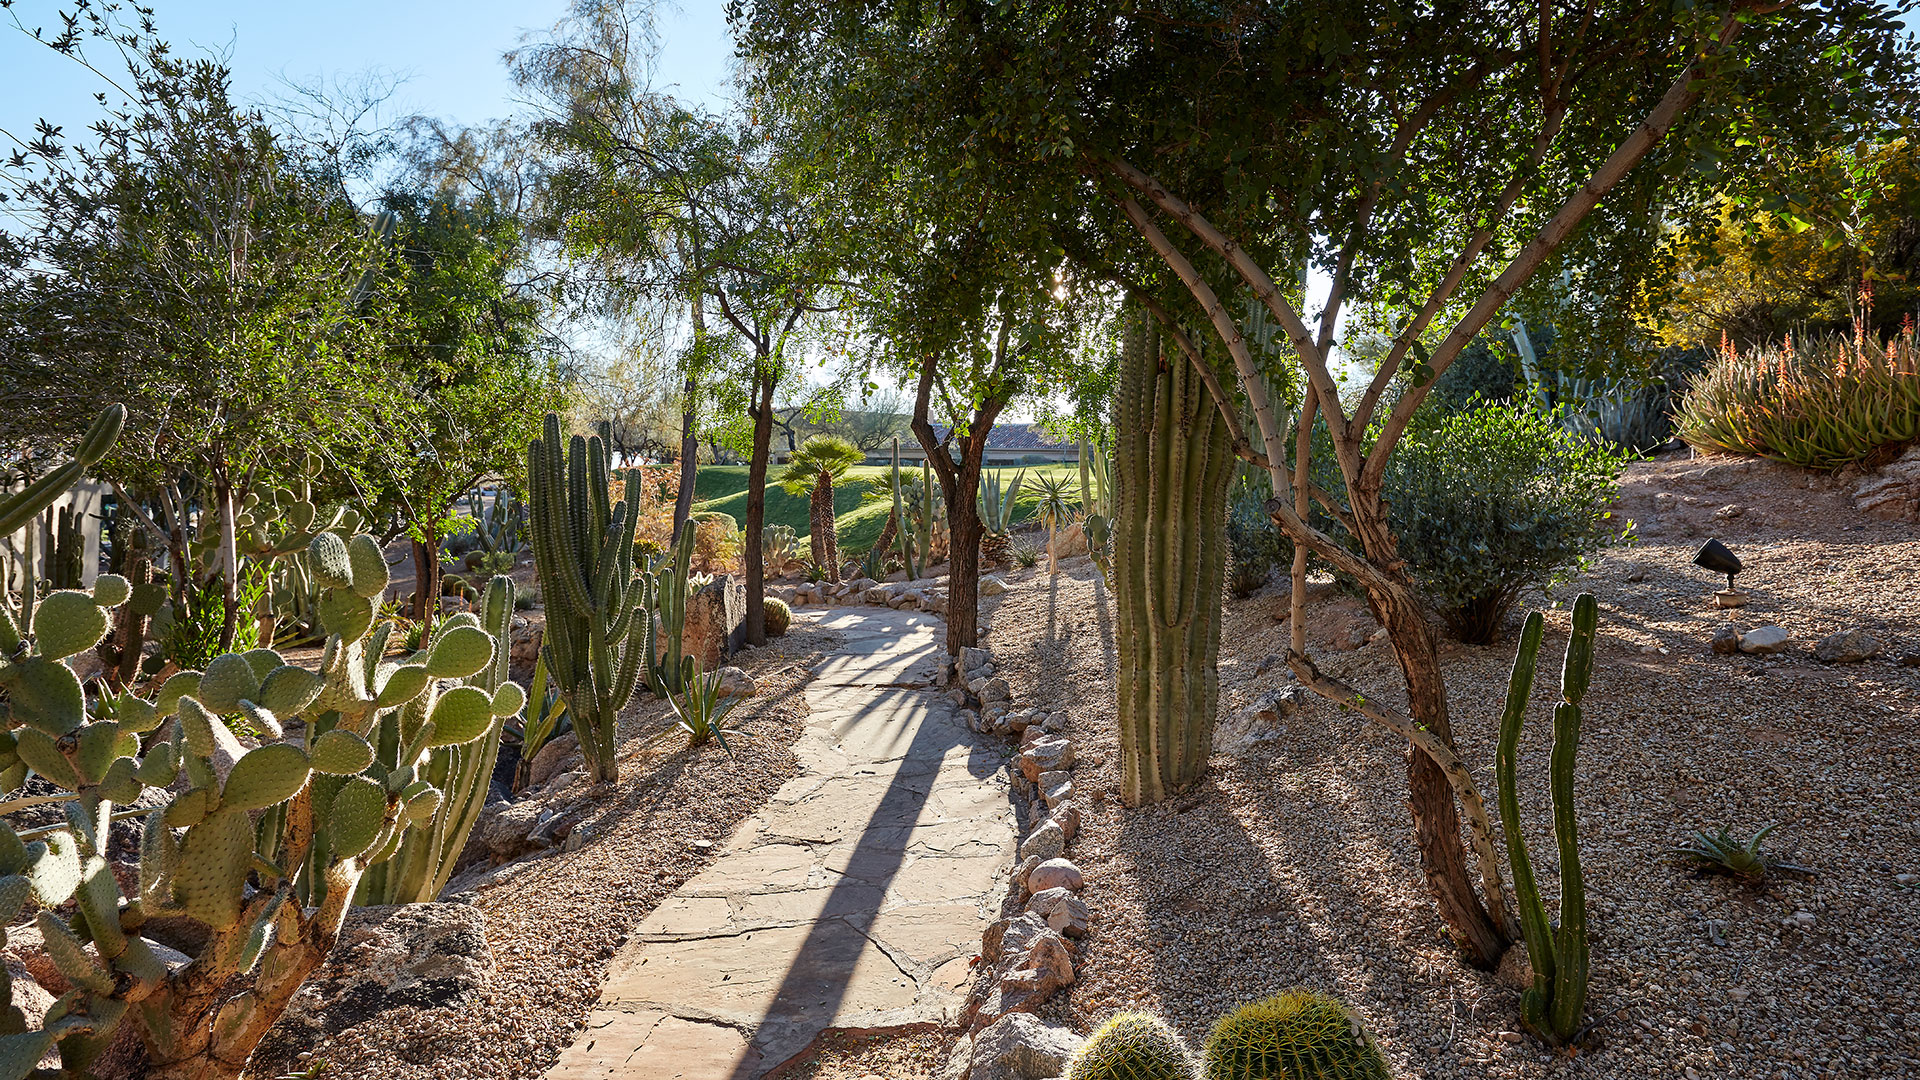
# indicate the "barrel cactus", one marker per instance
pixel 1295 1035
pixel 779 615
pixel 1172 460
pixel 1132 1046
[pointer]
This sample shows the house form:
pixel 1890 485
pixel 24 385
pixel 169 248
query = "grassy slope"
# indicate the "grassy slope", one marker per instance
pixel 723 488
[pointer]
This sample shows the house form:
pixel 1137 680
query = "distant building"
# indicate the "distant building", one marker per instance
pixel 1007 444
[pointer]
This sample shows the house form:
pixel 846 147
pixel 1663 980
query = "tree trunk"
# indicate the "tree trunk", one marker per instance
pixel 757 510
pixel 426 580
pixel 229 567
pixel 829 537
pixel 959 484
pixel 817 521
pixel 1436 817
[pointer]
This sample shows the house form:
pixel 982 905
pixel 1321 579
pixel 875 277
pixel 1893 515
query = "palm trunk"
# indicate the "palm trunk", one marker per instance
pixel 829 536
pixel 820 518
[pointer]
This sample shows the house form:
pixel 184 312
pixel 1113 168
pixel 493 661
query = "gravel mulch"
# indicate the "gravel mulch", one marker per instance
pixel 1295 864
pixel 554 926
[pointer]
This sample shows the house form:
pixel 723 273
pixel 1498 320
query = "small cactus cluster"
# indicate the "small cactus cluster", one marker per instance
pixel 1294 1035
pixel 1553 1007
pixel 263 847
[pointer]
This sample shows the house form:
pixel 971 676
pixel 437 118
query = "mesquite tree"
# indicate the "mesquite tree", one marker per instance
pixel 1429 161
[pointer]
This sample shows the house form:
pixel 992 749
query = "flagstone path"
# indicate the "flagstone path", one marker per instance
pixel 854 899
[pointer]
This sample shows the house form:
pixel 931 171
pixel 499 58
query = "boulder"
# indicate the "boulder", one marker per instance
pixel 1065 913
pixel 1070 541
pixel 1067 816
pixel 716 621
pixel 33 1001
pixel 1726 641
pixel 1847 647
pixel 1055 787
pixel 388 957
pixel 1020 1046
pixel 1766 640
pixel 1055 874
pixel 1259 722
pixel 507 830
pixel 552 759
pixel 1049 841
pixel 1893 493
pixel 991 585
pixel 737 683
pixel 1050 753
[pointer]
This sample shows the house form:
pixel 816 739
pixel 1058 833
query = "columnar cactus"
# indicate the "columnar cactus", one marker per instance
pixel 907 554
pixel 469 652
pixel 1096 496
pixel 666 584
pixel 1553 1006
pixel 599 635
pixel 1132 1046
pixel 1295 1035
pixel 264 847
pixel 1172 460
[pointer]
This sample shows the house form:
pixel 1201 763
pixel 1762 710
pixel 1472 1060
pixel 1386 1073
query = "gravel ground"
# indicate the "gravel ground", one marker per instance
pixel 553 928
pixel 882 1056
pixel 1295 864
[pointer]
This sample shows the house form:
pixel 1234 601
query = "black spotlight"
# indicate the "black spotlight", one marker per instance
pixel 1714 555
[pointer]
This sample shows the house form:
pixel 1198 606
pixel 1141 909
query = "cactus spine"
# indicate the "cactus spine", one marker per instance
pixel 1172 462
pixel 1553 1006
pixel 599 634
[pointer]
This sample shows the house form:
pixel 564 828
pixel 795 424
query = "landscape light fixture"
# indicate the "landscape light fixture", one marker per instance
pixel 1717 557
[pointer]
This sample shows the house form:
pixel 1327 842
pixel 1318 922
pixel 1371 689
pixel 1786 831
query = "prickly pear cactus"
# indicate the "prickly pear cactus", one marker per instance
pixel 264 846
pixel 1295 1035
pixel 1132 1046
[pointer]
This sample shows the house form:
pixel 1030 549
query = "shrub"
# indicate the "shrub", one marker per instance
pixel 1493 500
pixel 1822 404
pixel 779 615
pixel 1481 373
pixel 1255 543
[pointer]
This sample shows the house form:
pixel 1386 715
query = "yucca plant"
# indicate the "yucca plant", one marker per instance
pixel 1725 853
pixel 1818 404
pixel 539 724
pixel 996 515
pixel 1054 510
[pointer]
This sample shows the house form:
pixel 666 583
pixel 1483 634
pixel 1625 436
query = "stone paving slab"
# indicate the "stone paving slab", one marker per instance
pixel 854 898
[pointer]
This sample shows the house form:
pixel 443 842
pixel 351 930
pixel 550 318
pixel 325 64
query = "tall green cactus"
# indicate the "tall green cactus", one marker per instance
pixel 424 861
pixel 1097 498
pixel 666 585
pixel 1172 461
pixel 599 635
pixel 1553 1006
pixel 22 507
pixel 263 848
pixel 907 553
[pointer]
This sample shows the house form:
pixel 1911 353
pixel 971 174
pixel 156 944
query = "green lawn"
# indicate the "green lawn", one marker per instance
pixel 723 489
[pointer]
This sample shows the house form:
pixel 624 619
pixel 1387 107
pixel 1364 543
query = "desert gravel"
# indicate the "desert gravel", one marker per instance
pixel 1295 864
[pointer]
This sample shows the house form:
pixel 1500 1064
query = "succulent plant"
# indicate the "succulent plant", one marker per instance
pixel 1096 497
pixel 599 637
pixel 996 515
pixel 1294 1035
pixel 1726 853
pixel 1172 460
pixel 700 707
pixel 540 722
pixel 1553 1007
pixel 262 847
pixel 1132 1046
pixel 779 615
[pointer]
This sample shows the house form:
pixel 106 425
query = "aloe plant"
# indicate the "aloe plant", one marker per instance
pixel 996 514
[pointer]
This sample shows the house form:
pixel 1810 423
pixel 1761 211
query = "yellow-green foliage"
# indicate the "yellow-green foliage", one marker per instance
pixel 1822 404
pixel 1294 1035
pixel 1132 1046
pixel 779 615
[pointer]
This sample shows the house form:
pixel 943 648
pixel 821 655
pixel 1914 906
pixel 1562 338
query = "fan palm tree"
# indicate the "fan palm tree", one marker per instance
pixel 813 468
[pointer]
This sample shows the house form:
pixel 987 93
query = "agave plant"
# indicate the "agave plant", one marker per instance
pixel 1725 853
pixel 996 514
pixel 700 708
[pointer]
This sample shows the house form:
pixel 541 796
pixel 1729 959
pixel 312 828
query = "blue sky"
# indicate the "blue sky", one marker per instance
pixel 448 52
